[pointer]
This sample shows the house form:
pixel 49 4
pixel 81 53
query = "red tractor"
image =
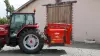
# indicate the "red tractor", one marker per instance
pixel 23 31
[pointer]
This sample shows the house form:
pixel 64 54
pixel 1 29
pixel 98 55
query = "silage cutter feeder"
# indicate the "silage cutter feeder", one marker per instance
pixel 58 34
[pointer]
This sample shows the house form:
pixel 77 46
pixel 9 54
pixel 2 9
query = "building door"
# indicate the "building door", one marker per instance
pixel 59 13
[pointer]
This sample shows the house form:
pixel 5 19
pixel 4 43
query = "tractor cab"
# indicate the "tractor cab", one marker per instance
pixel 18 21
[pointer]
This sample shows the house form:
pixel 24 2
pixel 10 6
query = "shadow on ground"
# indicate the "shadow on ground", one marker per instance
pixel 44 52
pixel 84 45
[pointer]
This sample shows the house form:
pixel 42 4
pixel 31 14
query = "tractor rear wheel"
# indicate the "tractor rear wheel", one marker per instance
pixel 30 41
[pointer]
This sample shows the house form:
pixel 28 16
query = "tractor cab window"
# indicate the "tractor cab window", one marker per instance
pixel 29 19
pixel 17 20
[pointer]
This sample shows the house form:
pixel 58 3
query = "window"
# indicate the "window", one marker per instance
pixel 18 18
pixel 29 19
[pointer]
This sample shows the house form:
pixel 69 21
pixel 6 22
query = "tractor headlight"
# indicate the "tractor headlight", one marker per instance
pixel 2 29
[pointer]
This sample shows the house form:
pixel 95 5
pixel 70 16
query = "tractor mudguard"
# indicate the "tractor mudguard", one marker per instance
pixel 27 26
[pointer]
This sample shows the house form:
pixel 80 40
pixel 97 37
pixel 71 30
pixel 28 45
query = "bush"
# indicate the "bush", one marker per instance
pixel 4 20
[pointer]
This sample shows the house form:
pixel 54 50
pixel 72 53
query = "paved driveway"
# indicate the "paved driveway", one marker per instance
pixel 15 51
pixel 76 49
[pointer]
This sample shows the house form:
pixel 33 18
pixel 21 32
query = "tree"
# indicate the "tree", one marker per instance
pixel 9 8
pixel 4 20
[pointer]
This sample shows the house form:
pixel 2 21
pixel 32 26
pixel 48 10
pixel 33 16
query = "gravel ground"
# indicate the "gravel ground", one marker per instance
pixel 76 49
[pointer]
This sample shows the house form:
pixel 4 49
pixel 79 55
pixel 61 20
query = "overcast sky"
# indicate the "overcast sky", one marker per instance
pixel 15 3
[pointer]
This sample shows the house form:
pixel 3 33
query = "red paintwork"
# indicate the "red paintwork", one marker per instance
pixel 60 30
pixel 28 26
pixel 4 32
pixel 31 41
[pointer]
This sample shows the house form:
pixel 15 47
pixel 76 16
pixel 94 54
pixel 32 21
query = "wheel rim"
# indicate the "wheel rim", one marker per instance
pixel 31 41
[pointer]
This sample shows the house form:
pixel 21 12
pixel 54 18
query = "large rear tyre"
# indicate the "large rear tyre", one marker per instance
pixel 30 42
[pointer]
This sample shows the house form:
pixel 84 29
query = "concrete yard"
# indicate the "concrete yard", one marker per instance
pixel 76 49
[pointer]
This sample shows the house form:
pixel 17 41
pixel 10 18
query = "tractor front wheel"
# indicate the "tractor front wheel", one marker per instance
pixel 30 42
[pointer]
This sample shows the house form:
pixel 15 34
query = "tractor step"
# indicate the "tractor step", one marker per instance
pixel 13 42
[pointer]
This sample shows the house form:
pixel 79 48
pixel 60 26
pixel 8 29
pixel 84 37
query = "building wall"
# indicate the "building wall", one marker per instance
pixel 86 20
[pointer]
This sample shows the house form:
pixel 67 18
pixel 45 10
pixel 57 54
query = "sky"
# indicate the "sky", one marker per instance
pixel 15 3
